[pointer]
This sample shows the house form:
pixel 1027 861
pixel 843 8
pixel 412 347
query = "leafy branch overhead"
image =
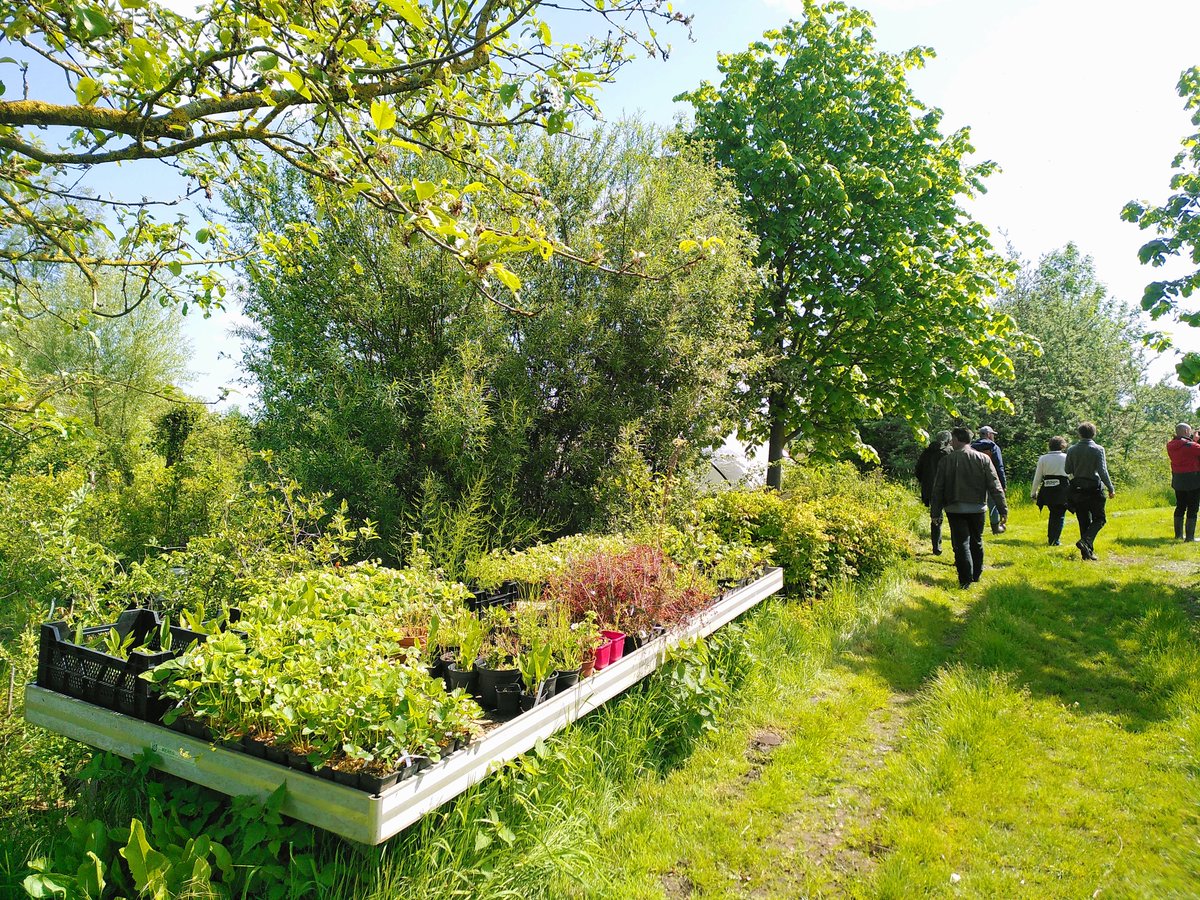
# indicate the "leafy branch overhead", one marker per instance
pixel 336 88
pixel 1177 224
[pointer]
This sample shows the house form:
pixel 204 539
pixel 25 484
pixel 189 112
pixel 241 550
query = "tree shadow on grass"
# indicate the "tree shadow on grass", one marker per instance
pixel 1144 541
pixel 1091 645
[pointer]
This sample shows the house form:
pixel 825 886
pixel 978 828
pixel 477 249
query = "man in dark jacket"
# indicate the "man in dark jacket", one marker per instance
pixel 966 483
pixel 1087 467
pixel 926 471
pixel 1184 453
pixel 986 443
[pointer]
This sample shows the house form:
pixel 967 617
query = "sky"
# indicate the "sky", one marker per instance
pixel 1075 99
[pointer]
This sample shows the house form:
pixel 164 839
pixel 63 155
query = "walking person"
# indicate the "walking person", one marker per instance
pixel 926 472
pixel 1184 453
pixel 986 443
pixel 966 483
pixel 1051 487
pixel 1087 467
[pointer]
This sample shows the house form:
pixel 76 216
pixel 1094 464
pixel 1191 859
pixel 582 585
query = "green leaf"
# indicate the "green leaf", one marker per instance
pixel 175 268
pixel 423 189
pixel 383 115
pixel 94 22
pixel 483 840
pixel 508 92
pixel 146 865
pixel 507 278
pixel 409 11
pixel 87 90
pixel 44 886
pixel 266 62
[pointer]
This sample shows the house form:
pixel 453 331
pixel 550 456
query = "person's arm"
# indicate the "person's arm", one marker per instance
pixel 1000 466
pixel 1102 471
pixel 939 488
pixel 1069 465
pixel 996 489
pixel 1038 474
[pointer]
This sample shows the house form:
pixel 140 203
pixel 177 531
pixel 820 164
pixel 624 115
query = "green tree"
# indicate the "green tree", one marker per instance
pixel 387 379
pixel 1090 366
pixel 330 88
pixel 874 276
pixel 1177 224
pixel 111 378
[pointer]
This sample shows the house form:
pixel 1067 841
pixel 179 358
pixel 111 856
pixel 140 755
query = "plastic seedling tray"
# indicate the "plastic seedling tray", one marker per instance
pixel 347 811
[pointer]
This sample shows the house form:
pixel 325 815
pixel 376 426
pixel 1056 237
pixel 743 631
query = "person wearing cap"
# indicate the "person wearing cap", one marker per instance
pixel 986 443
pixel 1087 467
pixel 926 471
pixel 1184 453
pixel 966 480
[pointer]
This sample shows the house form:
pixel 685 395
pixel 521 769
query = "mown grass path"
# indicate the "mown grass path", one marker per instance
pixel 1035 736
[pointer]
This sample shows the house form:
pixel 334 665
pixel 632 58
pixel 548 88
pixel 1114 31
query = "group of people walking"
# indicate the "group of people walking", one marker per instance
pixel 964 479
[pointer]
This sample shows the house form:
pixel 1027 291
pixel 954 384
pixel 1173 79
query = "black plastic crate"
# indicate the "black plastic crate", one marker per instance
pixel 506 596
pixel 108 681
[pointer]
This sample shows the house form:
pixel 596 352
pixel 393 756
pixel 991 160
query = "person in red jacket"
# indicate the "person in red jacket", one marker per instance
pixel 1184 454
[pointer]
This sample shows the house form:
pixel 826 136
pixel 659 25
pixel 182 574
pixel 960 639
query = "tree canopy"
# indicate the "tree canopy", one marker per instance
pixel 1090 367
pixel 875 277
pixel 1177 225
pixel 385 378
pixel 331 88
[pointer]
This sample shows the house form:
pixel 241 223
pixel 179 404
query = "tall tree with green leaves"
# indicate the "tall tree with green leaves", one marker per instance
pixel 1177 225
pixel 1090 366
pixel 875 277
pixel 387 379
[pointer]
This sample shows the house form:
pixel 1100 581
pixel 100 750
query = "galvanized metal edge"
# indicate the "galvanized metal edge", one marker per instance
pixel 403 804
pixel 325 804
pixel 352 813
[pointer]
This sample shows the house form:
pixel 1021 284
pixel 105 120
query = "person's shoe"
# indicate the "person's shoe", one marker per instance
pixel 1055 543
pixel 937 552
pixel 1085 552
pixel 964 584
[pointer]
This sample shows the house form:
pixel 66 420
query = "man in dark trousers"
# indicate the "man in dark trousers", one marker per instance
pixel 1184 453
pixel 926 471
pixel 966 481
pixel 1087 467
pixel 986 443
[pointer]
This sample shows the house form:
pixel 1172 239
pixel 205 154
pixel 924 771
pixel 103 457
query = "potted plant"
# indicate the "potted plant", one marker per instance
pixel 535 663
pixel 460 672
pixel 497 666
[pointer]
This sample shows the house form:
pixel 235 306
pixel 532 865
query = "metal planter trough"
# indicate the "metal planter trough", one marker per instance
pixel 347 811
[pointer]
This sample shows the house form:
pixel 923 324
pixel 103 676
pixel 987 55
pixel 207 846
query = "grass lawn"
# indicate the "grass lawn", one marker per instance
pixel 1035 736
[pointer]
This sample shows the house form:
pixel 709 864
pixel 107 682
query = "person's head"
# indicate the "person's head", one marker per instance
pixel 943 438
pixel 1183 429
pixel 1086 431
pixel 960 437
pixel 1058 443
pixel 986 433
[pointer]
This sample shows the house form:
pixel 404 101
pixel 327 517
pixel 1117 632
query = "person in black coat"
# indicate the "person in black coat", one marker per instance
pixel 926 472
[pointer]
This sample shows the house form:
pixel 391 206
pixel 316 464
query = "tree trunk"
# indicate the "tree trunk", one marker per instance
pixel 775 411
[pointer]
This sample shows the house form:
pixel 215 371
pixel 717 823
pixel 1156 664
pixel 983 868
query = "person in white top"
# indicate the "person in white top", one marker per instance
pixel 1050 487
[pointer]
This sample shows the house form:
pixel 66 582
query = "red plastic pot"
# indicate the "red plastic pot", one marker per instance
pixel 618 645
pixel 602 654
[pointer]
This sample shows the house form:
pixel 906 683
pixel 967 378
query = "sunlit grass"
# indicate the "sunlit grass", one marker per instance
pixel 1038 736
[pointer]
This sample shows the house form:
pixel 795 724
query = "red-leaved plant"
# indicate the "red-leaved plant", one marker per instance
pixel 631 591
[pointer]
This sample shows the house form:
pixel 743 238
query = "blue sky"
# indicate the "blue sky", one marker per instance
pixel 1075 99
